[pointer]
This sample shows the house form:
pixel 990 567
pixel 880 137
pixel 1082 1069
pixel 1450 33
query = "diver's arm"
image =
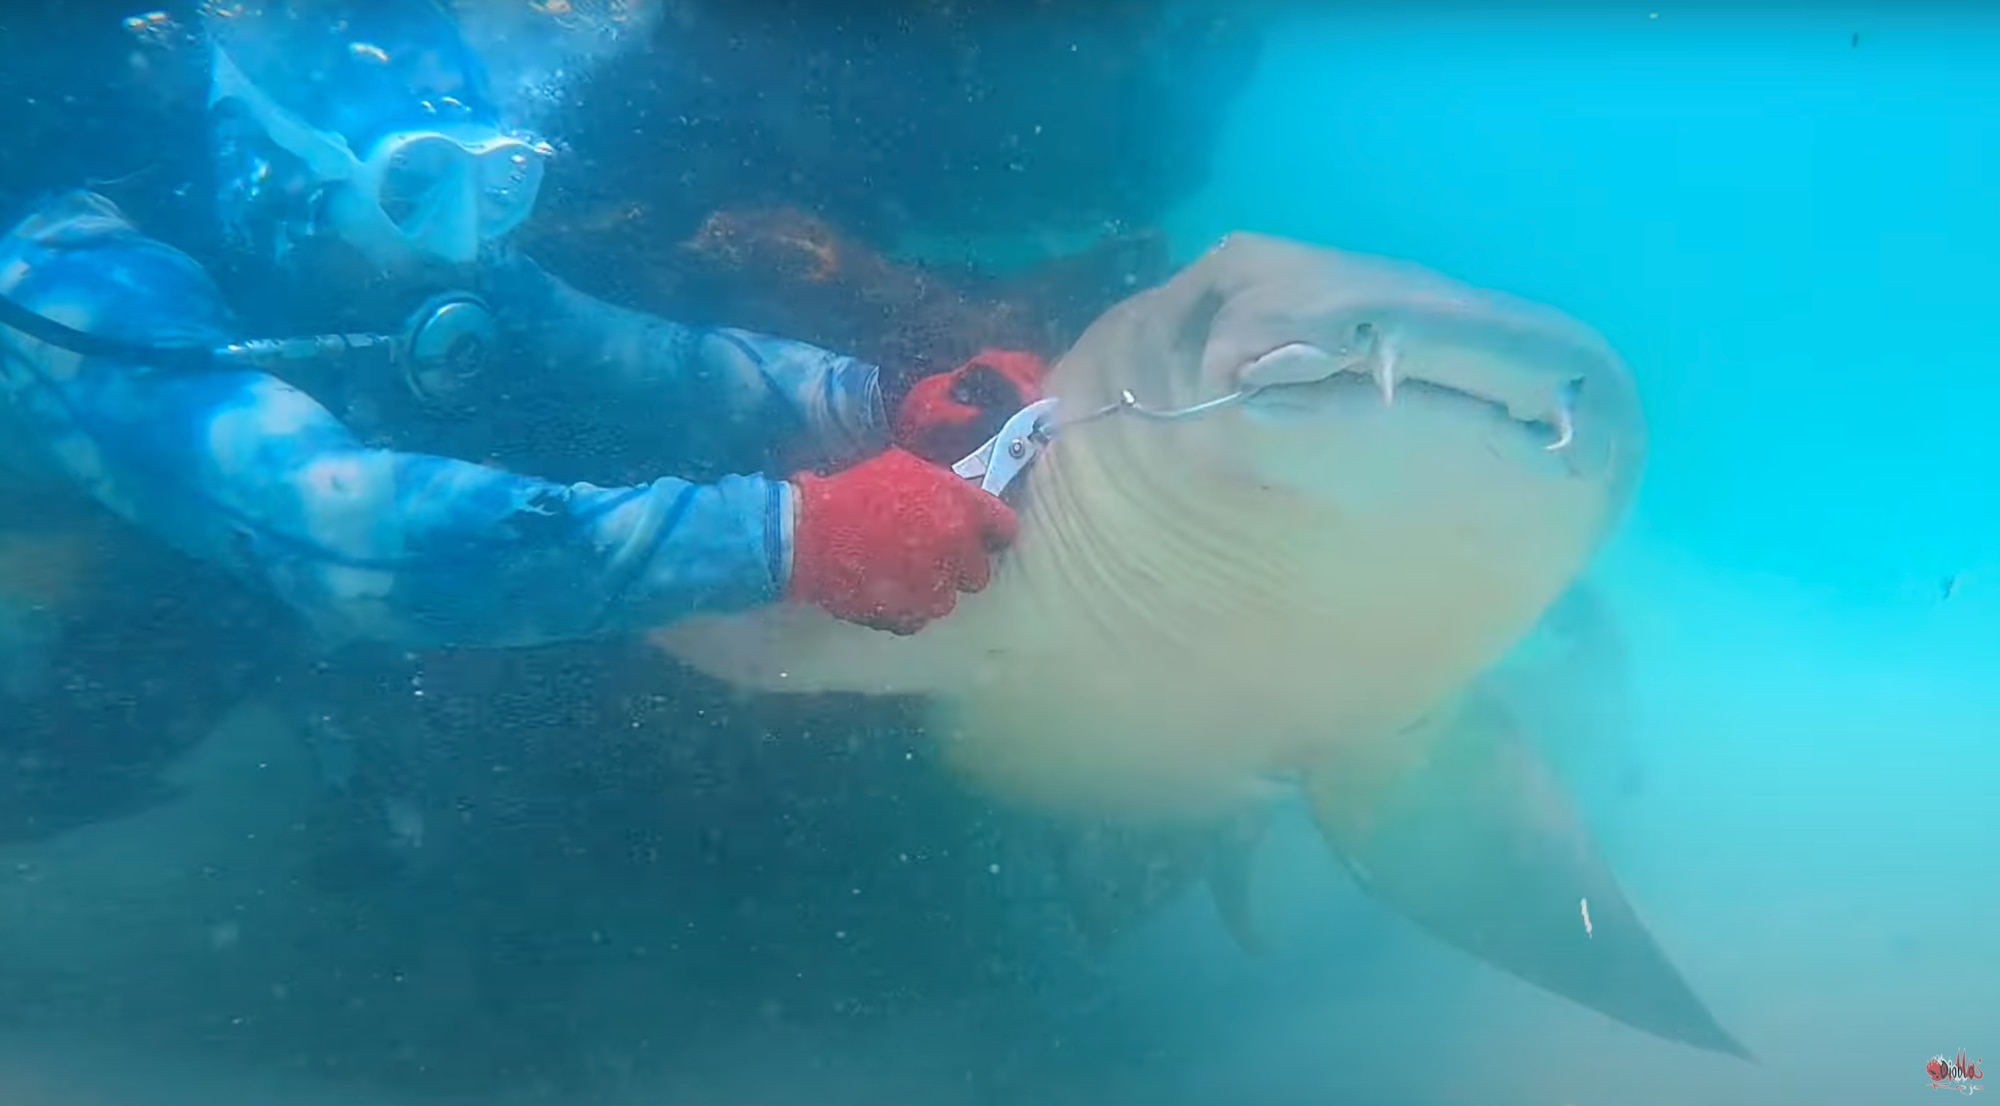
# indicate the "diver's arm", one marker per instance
pixel 242 470
pixel 421 551
pixel 814 406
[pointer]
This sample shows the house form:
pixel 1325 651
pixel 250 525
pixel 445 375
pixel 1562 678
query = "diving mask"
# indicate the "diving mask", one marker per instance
pixel 443 192
pixel 442 189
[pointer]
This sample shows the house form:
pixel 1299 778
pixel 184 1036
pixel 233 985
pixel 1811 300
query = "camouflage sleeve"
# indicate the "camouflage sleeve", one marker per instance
pixel 247 472
pixel 814 407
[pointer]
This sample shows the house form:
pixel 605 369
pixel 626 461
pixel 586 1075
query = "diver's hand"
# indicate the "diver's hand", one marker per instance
pixel 891 542
pixel 946 416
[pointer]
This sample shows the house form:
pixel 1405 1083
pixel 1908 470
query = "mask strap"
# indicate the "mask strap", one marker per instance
pixel 326 155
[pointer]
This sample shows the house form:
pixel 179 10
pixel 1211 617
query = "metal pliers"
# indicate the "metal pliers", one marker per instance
pixel 1009 453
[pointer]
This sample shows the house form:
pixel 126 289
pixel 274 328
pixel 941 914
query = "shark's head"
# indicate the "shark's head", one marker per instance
pixel 1369 381
pixel 1380 447
pixel 1390 378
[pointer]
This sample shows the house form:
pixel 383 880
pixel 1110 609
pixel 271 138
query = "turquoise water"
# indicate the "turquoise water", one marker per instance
pixel 1793 234
pixel 1790 226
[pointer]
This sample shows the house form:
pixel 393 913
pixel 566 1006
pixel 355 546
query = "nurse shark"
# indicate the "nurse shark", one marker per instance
pixel 1298 505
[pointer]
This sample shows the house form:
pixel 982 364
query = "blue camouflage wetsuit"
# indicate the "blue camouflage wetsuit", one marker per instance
pixel 380 538
pixel 231 395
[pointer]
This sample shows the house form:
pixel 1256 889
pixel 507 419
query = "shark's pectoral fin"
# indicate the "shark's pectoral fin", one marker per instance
pixel 1115 878
pixel 1101 903
pixel 1229 873
pixel 1464 830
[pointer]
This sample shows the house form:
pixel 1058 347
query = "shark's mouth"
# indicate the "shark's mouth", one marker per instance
pixel 1300 375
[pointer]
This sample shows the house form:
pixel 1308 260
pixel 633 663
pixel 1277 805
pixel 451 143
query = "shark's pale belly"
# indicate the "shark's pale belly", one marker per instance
pixel 1201 707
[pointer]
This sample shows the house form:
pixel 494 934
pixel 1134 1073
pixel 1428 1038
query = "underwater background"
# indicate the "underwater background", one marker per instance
pixel 1787 221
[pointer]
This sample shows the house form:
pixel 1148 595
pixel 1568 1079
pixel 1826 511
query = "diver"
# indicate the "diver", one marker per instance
pixel 351 390
pixel 315 408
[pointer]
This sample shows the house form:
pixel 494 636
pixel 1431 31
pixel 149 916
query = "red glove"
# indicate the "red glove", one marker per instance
pixel 891 542
pixel 946 416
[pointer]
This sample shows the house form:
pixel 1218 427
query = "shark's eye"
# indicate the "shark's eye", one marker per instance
pixel 1364 333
